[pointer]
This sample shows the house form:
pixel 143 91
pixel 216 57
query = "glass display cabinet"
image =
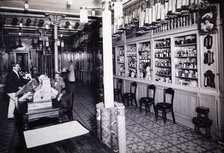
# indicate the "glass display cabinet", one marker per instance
pixel 163 60
pixel 120 61
pixel 132 60
pixel 186 64
pixel 145 67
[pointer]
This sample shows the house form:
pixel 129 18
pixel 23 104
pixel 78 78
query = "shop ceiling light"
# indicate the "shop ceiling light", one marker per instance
pixel 76 25
pixel 67 24
pixel 41 23
pixel 28 21
pixel 26 6
pixel 14 21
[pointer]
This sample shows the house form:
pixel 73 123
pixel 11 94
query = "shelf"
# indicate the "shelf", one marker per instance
pixel 131 55
pixel 187 78
pixel 184 45
pixel 163 57
pixel 143 51
pixel 164 75
pixel 186 56
pixel 164 47
pixel 186 68
pixel 163 66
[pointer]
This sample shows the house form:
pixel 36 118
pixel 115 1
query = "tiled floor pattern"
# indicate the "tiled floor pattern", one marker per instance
pixel 144 134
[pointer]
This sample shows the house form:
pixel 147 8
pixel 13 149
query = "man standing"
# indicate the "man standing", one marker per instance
pixel 13 84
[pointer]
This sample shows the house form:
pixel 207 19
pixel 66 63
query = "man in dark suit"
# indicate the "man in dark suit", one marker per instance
pixel 58 84
pixel 13 84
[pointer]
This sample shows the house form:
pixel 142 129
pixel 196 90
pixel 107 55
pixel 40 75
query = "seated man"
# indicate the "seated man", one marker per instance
pixel 58 84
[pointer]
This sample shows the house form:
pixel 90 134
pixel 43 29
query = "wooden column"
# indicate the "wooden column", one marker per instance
pixel 55 48
pixel 107 55
pixel 55 20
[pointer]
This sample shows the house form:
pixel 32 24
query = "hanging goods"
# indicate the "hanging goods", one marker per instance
pixel 208 41
pixel 209 79
pixel 208 57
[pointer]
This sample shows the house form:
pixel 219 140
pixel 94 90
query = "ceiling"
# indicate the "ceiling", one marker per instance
pixel 52 5
pixel 45 10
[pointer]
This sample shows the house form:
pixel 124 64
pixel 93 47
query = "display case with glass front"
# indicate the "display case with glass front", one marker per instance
pixel 162 51
pixel 132 60
pixel 144 52
pixel 120 61
pixel 186 64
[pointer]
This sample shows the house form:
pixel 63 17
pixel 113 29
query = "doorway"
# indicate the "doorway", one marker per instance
pixel 22 59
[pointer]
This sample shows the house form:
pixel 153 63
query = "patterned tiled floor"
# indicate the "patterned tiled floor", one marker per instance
pixel 143 133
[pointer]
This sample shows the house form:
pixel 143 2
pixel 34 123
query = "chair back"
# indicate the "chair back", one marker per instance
pixel 133 87
pixel 153 89
pixel 168 94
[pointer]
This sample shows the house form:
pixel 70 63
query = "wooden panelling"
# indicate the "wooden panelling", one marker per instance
pixel 221 116
pixel 185 103
pixel 211 103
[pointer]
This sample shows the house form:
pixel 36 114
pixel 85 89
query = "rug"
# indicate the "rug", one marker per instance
pixel 54 133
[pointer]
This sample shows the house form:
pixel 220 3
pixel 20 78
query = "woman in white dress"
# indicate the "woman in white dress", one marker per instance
pixel 71 72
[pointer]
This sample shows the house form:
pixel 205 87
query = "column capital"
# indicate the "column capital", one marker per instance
pixel 55 19
pixel 106 5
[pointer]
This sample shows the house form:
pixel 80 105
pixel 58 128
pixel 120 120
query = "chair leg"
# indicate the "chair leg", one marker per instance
pixel 146 107
pixel 174 121
pixel 156 113
pixel 140 106
pixel 123 100
pixel 154 107
pixel 164 115
pixel 135 102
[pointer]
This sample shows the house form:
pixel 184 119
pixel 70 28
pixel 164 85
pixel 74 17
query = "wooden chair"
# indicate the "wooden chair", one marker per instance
pixel 148 101
pixel 164 106
pixel 117 90
pixel 130 96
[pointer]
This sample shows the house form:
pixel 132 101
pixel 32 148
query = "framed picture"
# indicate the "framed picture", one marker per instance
pixel 207 20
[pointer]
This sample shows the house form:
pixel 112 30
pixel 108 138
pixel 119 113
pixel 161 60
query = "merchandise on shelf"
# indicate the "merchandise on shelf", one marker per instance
pixel 132 60
pixel 144 51
pixel 163 60
pixel 120 61
pixel 186 68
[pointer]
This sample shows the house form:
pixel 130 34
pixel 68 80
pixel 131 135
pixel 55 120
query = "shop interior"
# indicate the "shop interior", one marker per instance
pixel 148 75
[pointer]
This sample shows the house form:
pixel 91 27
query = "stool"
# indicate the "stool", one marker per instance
pixel 202 120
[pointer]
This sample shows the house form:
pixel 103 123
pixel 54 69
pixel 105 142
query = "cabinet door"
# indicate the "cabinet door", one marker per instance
pixel 185 60
pixel 144 57
pixel 131 54
pixel 162 51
